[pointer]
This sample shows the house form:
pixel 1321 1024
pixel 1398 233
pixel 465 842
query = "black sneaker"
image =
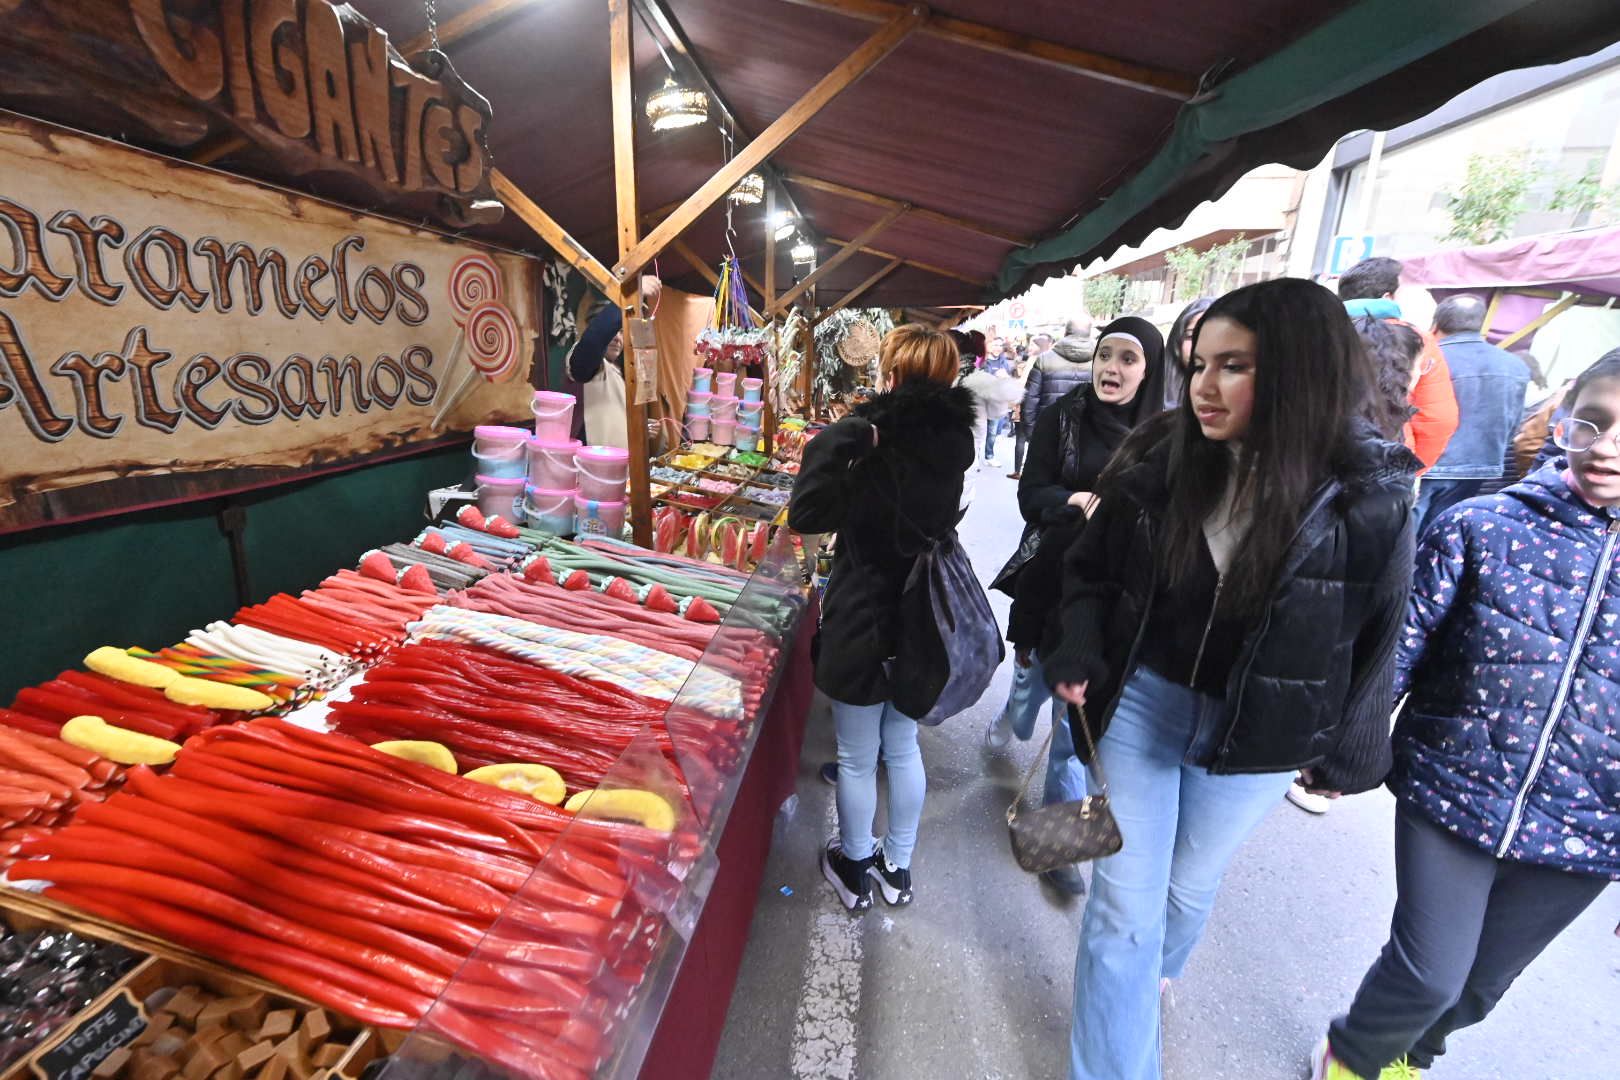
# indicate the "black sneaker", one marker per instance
pixel 829 773
pixel 893 882
pixel 847 876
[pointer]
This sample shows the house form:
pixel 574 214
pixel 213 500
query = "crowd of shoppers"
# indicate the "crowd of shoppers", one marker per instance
pixel 1232 574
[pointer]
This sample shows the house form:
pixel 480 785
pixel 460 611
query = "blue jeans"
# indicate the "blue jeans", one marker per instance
pixel 1065 776
pixel 864 731
pixel 1435 497
pixel 1149 903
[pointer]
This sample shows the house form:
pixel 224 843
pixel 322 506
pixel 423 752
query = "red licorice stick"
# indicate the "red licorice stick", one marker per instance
pixel 285 869
pixel 65 707
pixel 531 813
pixel 96 845
pixel 213 774
pixel 503 874
pixel 202 800
pixel 26 755
pixel 233 912
pixel 476 819
pixel 145 699
pixel 314 976
pixel 23 721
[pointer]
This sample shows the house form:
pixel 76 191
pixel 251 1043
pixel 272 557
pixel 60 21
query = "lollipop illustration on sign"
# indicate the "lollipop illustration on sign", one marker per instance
pixel 488 332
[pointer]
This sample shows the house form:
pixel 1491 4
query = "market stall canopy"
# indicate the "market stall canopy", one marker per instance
pixel 990 145
pixel 1586 262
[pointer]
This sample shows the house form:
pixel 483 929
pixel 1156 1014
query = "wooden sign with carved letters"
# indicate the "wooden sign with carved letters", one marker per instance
pixel 169 332
pixel 310 82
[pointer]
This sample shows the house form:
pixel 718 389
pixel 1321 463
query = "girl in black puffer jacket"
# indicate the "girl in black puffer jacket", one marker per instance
pixel 1229 617
pixel 885 479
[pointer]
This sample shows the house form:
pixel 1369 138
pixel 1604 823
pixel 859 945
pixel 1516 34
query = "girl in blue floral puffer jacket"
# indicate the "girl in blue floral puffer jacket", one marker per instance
pixel 1507 752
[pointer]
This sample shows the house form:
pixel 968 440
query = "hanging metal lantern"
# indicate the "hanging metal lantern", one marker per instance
pixel 804 251
pixel 673 106
pixel 750 190
pixel 784 224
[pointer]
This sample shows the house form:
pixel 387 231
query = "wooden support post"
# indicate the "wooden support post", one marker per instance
pixel 855 293
pixel 807 369
pixel 768 302
pixel 1490 312
pixel 1539 321
pixel 552 233
pixel 841 255
pixel 629 289
pixel 1171 84
pixel 841 78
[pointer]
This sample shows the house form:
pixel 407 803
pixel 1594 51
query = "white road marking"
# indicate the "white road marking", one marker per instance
pixel 830 999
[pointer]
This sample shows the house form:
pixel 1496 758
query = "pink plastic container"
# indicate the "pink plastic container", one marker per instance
pixel 702 380
pixel 550 511
pixel 496 440
pixel 751 413
pixel 724 432
pixel 551 464
pixel 723 408
pixel 697 428
pixel 501 495
pixel 606 518
pixel 725 384
pixel 752 389
pixel 603 472
pixel 698 397
pixel 553 415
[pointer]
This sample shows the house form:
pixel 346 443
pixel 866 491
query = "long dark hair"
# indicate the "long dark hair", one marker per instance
pixel 1392 350
pixel 1175 376
pixel 1311 379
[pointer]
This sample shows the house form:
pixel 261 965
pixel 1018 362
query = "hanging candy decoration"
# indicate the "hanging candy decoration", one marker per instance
pixel 733 340
pixel 494 342
pixel 474 279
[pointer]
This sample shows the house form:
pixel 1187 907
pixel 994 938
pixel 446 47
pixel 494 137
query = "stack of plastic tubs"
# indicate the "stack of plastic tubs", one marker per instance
pixel 750 414
pixel 498 465
pixel 599 503
pixel 548 502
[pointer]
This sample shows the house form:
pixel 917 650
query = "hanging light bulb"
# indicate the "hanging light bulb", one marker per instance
pixel 804 251
pixel 673 106
pixel 784 224
pixel 750 190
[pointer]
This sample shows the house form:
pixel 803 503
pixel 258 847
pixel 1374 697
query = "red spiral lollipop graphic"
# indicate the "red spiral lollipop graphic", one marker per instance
pixel 474 279
pixel 493 339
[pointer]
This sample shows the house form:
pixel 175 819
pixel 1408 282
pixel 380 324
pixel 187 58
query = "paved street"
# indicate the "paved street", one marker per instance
pixel 974 979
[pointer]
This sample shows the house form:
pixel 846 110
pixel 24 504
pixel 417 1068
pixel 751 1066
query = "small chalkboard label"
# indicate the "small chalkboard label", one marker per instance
pixel 97 1035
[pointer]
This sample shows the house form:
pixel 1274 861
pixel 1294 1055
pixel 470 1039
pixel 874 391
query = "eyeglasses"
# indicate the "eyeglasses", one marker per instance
pixel 1579 436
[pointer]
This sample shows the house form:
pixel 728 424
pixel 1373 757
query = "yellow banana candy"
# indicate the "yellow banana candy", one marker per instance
pixel 420 751
pixel 186 690
pixel 540 782
pixel 115 663
pixel 625 804
pixel 118 744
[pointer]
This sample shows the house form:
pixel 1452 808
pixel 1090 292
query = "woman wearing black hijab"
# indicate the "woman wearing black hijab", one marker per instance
pixel 1071 444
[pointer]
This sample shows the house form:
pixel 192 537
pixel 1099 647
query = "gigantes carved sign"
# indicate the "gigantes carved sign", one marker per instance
pixel 169 332
pixel 313 83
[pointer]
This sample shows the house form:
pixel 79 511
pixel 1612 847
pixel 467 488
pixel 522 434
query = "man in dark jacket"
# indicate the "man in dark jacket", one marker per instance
pixel 1057 371
pixel 1490 385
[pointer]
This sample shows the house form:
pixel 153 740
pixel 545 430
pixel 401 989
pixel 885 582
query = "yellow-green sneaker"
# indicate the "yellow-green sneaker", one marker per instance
pixel 1324 1066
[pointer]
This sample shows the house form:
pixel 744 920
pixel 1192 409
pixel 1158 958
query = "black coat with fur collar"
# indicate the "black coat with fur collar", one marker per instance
pixel 881 502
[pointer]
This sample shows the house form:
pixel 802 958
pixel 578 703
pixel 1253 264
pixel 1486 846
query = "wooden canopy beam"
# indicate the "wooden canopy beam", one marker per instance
pixel 919 212
pixel 927 268
pixel 854 294
pixel 572 251
pixel 1539 321
pixel 1109 69
pixel 479 17
pixel 839 257
pixel 841 78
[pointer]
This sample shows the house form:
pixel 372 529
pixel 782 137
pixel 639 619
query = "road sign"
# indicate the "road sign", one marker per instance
pixel 1349 249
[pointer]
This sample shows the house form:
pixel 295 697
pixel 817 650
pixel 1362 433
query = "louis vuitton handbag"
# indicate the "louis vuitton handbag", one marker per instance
pixel 1067 832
